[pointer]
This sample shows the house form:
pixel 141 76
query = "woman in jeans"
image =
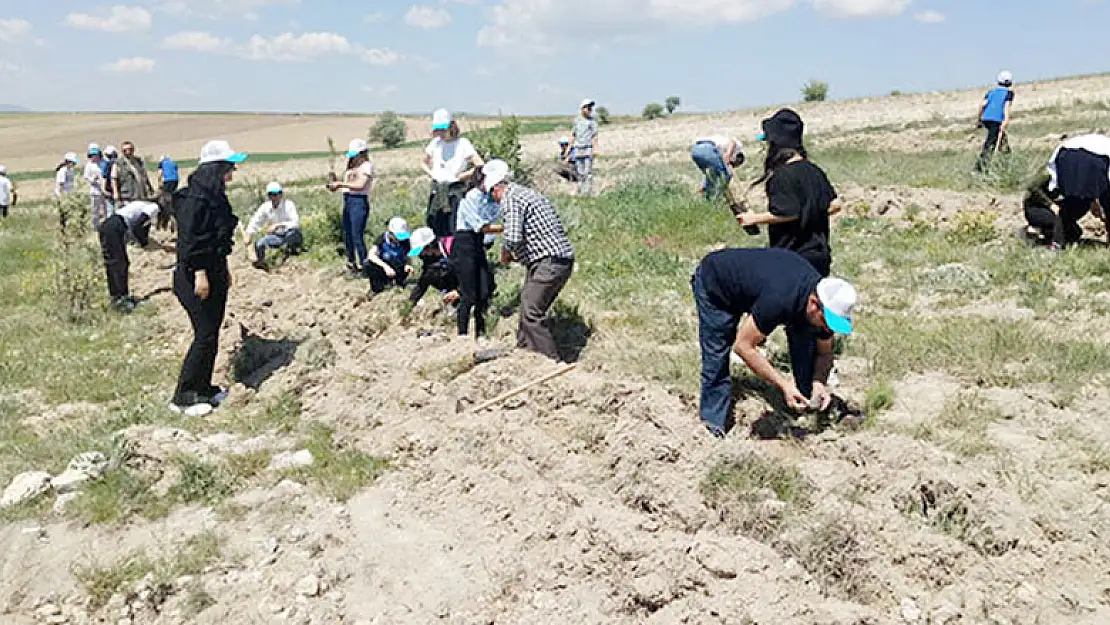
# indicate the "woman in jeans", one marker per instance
pixel 201 280
pixel 450 160
pixel 476 216
pixel 716 156
pixel 357 182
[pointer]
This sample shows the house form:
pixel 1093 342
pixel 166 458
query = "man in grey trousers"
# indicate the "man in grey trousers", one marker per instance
pixel 533 235
pixel 585 146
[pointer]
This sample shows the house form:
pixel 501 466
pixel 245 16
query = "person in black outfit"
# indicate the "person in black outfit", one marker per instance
pixel 437 272
pixel 799 195
pixel 1077 181
pixel 477 284
pixel 206 227
pixel 136 218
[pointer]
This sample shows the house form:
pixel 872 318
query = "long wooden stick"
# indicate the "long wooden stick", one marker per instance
pixel 524 387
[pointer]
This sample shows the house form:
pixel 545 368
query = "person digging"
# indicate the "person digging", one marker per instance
pixel 768 289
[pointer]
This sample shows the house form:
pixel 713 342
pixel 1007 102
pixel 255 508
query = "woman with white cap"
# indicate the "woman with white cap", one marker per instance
pixel 201 280
pixel 450 160
pixel 585 146
pixel 388 262
pixel 63 175
pixel 358 180
pixel 7 192
pixel 476 220
pixel 98 206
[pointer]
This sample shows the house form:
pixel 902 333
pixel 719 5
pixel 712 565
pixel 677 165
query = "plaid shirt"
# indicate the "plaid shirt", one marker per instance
pixel 533 230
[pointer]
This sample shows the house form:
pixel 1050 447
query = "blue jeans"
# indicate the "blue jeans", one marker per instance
pixel 356 209
pixel 291 241
pixel 709 160
pixel 716 336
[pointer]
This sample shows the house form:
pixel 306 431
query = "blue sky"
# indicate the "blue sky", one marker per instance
pixel 523 56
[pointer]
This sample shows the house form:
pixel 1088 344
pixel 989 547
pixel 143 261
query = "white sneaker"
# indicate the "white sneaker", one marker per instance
pixel 196 410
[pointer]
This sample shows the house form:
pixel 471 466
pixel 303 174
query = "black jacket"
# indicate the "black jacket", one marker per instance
pixel 205 221
pixel 437 274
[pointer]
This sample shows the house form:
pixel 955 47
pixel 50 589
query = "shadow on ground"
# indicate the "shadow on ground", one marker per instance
pixel 259 358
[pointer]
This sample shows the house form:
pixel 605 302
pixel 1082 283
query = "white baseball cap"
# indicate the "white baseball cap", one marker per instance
pixel 1005 78
pixel 494 173
pixel 587 102
pixel 71 157
pixel 220 150
pixel 399 228
pixel 111 151
pixel 93 150
pixel 838 297
pixel 420 239
pixel 356 147
pixel 273 188
pixel 441 119
pixel 564 140
pixel 165 157
pixel 3 170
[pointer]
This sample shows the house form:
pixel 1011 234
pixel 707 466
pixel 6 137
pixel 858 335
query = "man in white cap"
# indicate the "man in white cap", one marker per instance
pixel 773 287
pixel 98 205
pixel 994 115
pixel 279 224
pixel 534 236
pixel 7 192
pixel 585 146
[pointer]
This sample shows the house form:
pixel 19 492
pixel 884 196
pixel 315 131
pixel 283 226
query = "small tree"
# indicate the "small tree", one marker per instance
pixel 389 130
pixel 602 115
pixel 815 91
pixel 654 110
pixel 673 103
pixel 503 142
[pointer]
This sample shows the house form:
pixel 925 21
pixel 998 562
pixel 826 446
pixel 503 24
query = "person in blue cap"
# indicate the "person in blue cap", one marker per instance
pixel 767 289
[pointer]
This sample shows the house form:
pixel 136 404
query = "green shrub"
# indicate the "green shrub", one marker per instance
pixel 672 104
pixel 815 91
pixel 654 110
pixel 389 130
pixel 602 115
pixel 503 142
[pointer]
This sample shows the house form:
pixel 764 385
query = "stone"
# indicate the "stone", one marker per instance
pixel 91 463
pixel 69 481
pixel 291 460
pixel 57 619
pixel 297 534
pixel 910 612
pixel 25 487
pixel 48 609
pixel 61 504
pixel 308 586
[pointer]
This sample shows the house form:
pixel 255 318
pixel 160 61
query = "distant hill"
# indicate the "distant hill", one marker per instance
pixel 12 108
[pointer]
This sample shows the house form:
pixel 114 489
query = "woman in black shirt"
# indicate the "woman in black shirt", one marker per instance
pixel 201 279
pixel 799 195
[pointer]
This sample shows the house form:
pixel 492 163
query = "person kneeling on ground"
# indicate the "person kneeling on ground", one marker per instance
pixel 437 272
pixel 388 260
pixel 716 156
pixel 566 169
pixel 1078 182
pixel 774 287
pixel 136 218
pixel 278 219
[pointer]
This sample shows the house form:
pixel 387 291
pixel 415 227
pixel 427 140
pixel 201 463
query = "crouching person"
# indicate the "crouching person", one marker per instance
pixel 277 218
pixel 134 218
pixel 388 262
pixel 437 272
pixel 1079 183
pixel 773 287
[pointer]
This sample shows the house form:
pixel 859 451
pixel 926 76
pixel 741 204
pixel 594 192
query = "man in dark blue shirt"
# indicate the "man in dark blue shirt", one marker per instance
pixel 773 287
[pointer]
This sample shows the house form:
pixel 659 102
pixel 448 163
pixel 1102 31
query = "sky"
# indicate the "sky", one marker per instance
pixel 523 56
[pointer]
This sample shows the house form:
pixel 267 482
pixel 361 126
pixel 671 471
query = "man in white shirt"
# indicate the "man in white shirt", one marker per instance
pixel 98 205
pixel 7 192
pixel 277 218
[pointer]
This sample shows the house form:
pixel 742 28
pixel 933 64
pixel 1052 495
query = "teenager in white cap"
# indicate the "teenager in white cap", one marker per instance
pixel 7 192
pixel 357 183
pixel 135 219
pixel 994 115
pixel 773 288
pixel 63 175
pixel 98 204
pixel 278 222
pixel 437 272
pixel 389 257
pixel 205 235
pixel 585 145
pixel 450 160
pixel 111 154
pixel 566 169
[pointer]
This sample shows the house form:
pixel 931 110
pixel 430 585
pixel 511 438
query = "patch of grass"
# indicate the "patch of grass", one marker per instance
pixel 117 497
pixel 831 551
pixel 339 470
pixel 243 467
pixel 280 414
pixel 878 397
pixel 738 489
pixel 197 600
pixel 202 482
pixel 101 582
pixel 962 426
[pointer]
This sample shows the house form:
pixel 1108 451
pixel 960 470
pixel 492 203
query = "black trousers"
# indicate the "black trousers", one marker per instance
pixel 379 281
pixel 468 257
pixel 113 245
pixel 206 316
pixel 169 186
pixel 994 130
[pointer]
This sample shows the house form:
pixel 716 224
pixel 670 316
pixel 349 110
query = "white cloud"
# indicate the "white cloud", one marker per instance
pixel 134 65
pixel 290 47
pixel 195 41
pixel 380 56
pixel 427 17
pixel 930 17
pixel 14 29
pixel 216 9
pixel 374 18
pixel 9 68
pixel 861 8
pixel 118 19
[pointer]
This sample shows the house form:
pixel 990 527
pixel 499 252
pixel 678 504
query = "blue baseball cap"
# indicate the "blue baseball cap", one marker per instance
pixel 838 297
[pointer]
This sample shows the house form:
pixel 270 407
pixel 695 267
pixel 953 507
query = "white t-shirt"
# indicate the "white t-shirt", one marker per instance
pixel 366 169
pixel 450 158
pixel 1093 143
pixel 94 178
pixel 133 210
pixel 5 191
pixel 63 180
pixel 267 215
